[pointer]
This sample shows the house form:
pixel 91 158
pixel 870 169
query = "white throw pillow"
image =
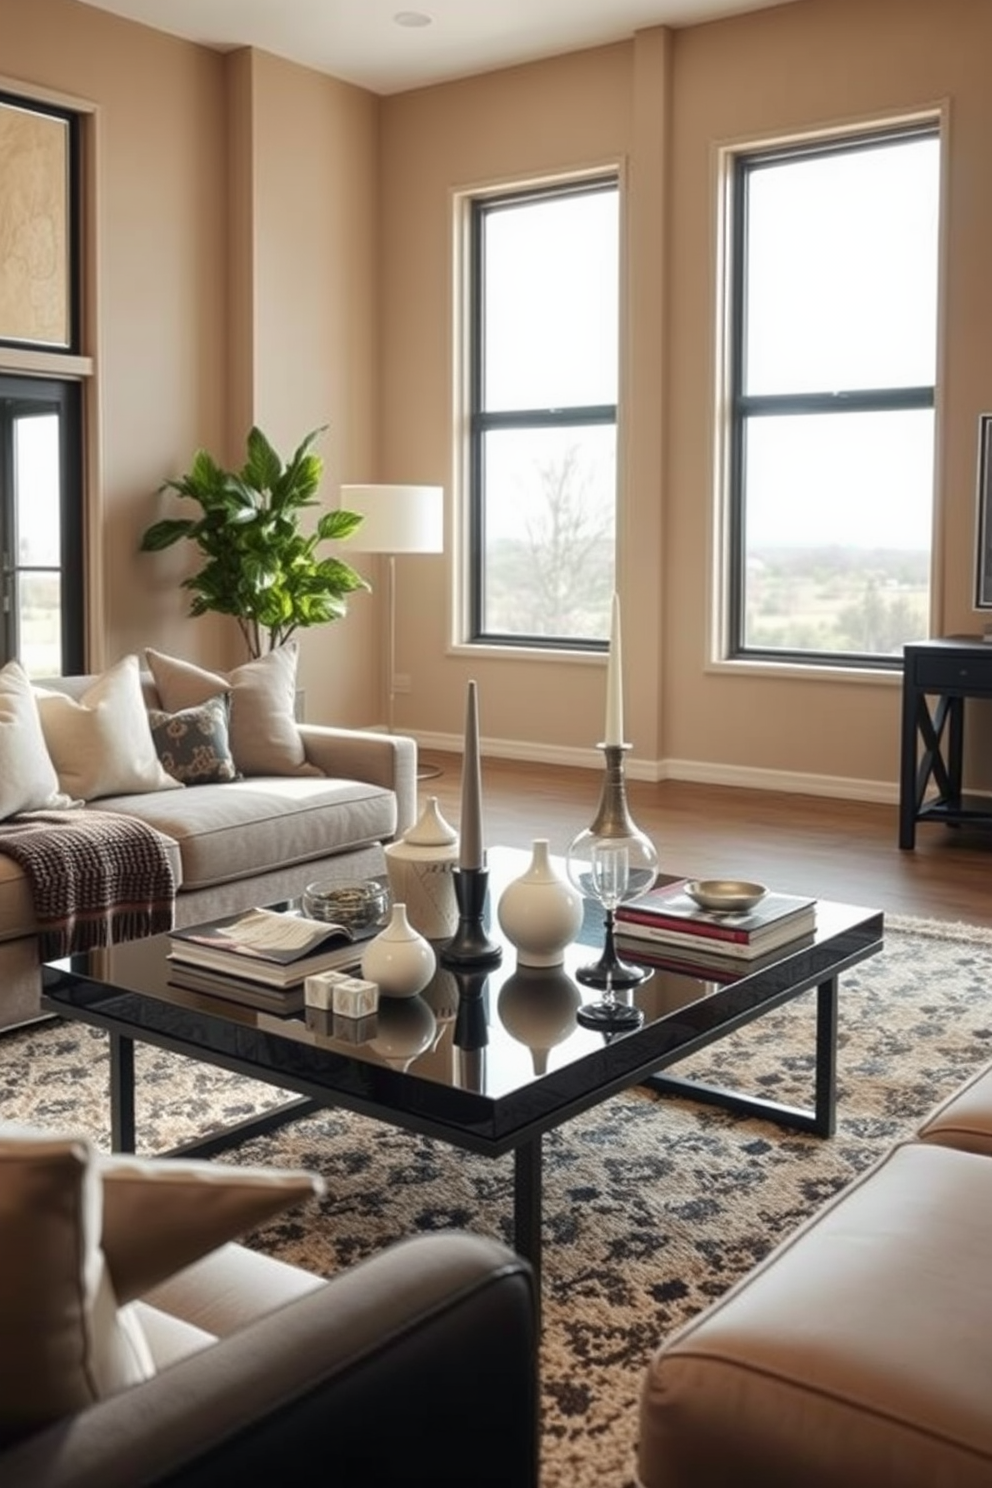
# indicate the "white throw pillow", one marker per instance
pixel 81 1233
pixel 264 737
pixel 102 745
pixel 28 781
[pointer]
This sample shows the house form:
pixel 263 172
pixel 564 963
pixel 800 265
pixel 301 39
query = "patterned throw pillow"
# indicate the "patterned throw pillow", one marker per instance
pixel 194 744
pixel 265 739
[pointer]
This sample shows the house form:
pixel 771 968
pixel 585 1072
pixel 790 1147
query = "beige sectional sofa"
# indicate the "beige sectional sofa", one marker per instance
pixel 859 1352
pixel 251 840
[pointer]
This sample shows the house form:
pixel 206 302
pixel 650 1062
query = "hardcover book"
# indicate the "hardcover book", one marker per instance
pixel 707 959
pixel 264 945
pixel 668 910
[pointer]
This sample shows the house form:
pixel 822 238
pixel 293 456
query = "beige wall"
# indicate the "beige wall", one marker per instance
pixel 235 227
pixel 277 245
pixel 661 105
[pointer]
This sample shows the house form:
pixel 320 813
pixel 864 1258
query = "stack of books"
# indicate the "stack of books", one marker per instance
pixel 261 957
pixel 666 925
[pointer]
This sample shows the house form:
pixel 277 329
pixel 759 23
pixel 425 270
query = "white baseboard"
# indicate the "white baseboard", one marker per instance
pixel 835 787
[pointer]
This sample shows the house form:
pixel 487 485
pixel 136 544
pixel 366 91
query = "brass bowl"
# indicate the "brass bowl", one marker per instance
pixel 725 895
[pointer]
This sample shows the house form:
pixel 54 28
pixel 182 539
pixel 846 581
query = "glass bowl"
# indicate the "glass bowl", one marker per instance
pixel 359 906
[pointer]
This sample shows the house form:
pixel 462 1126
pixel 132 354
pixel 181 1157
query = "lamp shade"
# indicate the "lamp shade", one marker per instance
pixel 397 519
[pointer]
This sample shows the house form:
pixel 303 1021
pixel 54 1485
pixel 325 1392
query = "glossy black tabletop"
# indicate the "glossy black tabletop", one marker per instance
pixel 484 1058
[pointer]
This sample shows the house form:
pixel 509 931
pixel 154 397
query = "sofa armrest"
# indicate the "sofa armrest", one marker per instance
pixel 419 1365
pixel 389 760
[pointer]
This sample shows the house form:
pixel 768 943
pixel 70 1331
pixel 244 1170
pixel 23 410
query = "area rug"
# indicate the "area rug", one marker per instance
pixel 653 1206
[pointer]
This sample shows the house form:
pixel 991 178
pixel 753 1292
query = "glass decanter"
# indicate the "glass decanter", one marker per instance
pixel 612 861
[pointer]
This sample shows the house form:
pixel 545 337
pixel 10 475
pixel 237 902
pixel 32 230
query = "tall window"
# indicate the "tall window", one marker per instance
pixel 833 354
pixel 41 549
pixel 543 416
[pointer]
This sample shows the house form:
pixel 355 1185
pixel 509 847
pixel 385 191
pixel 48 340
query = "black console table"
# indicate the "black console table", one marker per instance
pixel 947 670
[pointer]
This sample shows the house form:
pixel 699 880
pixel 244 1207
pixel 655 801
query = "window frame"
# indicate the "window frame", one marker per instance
pixel 57 376
pixel 742 407
pixel 481 422
pixel 73 189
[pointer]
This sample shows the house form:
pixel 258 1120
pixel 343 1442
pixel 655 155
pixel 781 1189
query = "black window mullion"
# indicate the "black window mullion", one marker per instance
pixel 869 400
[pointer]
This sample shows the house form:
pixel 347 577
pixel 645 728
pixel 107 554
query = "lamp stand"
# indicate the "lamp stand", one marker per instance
pixel 424 772
pixel 392 641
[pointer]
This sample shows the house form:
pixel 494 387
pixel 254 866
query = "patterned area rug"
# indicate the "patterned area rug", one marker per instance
pixel 653 1207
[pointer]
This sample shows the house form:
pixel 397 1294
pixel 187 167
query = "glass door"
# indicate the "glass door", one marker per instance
pixel 41 558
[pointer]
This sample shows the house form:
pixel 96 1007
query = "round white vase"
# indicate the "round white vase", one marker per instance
pixel 420 868
pixel 399 960
pixel 539 912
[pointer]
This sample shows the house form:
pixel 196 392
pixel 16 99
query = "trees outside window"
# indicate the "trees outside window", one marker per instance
pixel 833 313
pixel 544 290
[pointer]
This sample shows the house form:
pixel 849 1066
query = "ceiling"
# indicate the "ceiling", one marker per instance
pixel 382 46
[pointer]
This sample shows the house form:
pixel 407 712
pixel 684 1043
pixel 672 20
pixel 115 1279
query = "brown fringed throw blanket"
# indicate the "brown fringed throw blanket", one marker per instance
pixel 96 877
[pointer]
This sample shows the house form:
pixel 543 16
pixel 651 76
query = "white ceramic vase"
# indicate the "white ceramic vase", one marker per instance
pixel 399 960
pixel 420 868
pixel 539 912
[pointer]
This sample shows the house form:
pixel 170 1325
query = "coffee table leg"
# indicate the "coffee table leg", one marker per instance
pixel 820 1119
pixel 825 1087
pixel 122 1133
pixel 527 1205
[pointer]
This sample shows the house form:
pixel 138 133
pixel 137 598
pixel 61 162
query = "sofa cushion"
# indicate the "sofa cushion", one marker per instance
pixel 252 826
pixel 858 1352
pixel 964 1119
pixel 28 780
pixel 101 744
pixel 80 1233
pixel 264 737
pixel 194 744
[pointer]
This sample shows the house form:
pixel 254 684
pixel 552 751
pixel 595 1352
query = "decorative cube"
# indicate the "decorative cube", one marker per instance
pixel 318 990
pixel 349 996
pixel 355 998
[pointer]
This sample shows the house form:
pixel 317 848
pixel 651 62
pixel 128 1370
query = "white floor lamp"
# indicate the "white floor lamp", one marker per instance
pixel 397 519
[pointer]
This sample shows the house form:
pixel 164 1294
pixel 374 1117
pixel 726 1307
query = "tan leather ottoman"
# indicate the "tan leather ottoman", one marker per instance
pixel 858 1353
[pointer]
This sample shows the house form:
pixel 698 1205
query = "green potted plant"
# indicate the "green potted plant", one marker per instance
pixel 260 565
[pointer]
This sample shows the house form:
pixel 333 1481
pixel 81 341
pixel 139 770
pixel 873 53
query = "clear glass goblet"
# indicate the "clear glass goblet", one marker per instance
pixel 610 870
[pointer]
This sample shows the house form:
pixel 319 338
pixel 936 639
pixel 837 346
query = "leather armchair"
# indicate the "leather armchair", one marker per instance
pixel 417 1366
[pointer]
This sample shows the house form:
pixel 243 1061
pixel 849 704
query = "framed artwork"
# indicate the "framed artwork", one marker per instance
pixel 35 253
pixel 983 577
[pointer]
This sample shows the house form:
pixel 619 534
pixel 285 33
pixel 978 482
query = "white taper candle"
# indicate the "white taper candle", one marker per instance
pixel 614 681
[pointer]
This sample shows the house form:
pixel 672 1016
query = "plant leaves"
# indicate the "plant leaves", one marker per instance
pixel 259 565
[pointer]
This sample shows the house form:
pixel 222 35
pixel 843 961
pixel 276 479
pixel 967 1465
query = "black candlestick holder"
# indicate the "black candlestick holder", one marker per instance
pixel 470 945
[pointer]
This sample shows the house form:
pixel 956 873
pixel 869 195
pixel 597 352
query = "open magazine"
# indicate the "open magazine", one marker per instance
pixel 268 935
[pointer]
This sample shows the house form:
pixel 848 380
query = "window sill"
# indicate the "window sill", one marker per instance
pixel 488 651
pixel 794 671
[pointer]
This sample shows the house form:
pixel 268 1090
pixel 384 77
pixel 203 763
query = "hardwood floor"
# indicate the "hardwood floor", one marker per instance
pixel 844 850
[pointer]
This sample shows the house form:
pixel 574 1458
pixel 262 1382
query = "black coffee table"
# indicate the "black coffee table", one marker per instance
pixel 487 1061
